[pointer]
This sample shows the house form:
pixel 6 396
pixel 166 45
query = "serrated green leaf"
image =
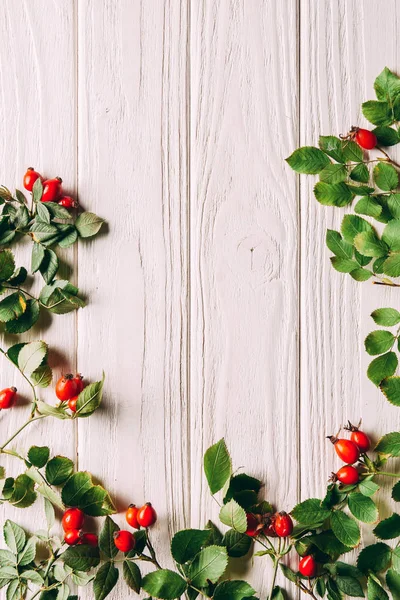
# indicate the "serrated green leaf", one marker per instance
pixel 350 586
pixel 208 565
pixel 368 206
pixel 14 536
pixel 12 307
pixel 337 245
pixel 386 317
pixel 237 544
pixel 49 265
pixel 235 590
pixel 335 194
pixel 31 356
pixel 391 266
pixel 7 264
pixel 42 213
pixel 164 584
pixel 388 529
pixel 391 235
pixel 38 455
pixel 23 494
pixel 389 444
pixel 393 583
pixel 393 203
pixel 308 160
pixel 106 538
pixel 377 113
pixel 288 573
pixel 386 136
pixel 88 224
pixel 132 575
pixel 328 543
pixel 333 147
pixel 234 516
pixel 379 341
pixel 360 173
pixel 27 320
pixel 352 151
pixel 89 399
pixel 310 511
pixel 105 580
pixel 28 553
pixel 37 190
pixel 217 466
pixel 42 376
pixel 368 244
pixel 390 387
pixel 396 492
pixel 334 173
pixel 82 558
pixel 75 487
pixel 382 367
pixel 187 543
pixel 361 274
pixel 368 487
pixel 385 177
pixel 38 253
pixel 374 558
pixel 352 225
pixel 363 508
pixel 345 528
pixel 343 265
pixel 19 276
pixel 375 591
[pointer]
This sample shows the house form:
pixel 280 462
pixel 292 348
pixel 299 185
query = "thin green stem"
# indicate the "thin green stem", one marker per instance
pixel 274 573
pixel 152 551
pixel 397 475
pixel 388 157
pixel 10 439
pixel 35 400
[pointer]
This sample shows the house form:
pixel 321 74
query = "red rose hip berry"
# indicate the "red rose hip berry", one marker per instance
pixel 308 566
pixel 7 397
pixel 66 388
pixel 67 202
pixel 72 404
pixel 124 541
pixel 72 537
pixel 52 189
pixel 359 438
pixel 365 138
pixel 146 516
pixel 252 525
pixel 131 516
pixel 79 382
pixel 347 475
pixel 283 525
pixel 73 518
pixel 346 450
pixel 30 177
pixel 89 539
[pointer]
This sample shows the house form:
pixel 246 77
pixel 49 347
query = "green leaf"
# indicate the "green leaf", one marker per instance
pixel 58 212
pixel 386 317
pixel 396 559
pixel 368 244
pixel 31 356
pixel 217 466
pixel 386 136
pixel 385 177
pixel 345 528
pixel 70 236
pixel 37 190
pixel 132 575
pixel 14 536
pixel 333 174
pixel 379 341
pixel 361 274
pixel 7 558
pixel 336 194
pixel 21 219
pixel 25 321
pixel 42 213
pixel 7 264
pixel 234 516
pixel 328 543
pixel 43 233
pixel 396 492
pixel 388 529
pixel 368 206
pixel 337 245
pixel 393 203
pixel 49 265
pixel 32 576
pixel 352 151
pixel 391 266
pixel 215 538
pixel 234 590
pixel 389 444
pixel 42 376
pixel 209 565
pixel 23 493
pixel 18 277
pixel 106 538
pixel 89 399
pixel 59 412
pixel 377 113
pixel 378 265
pixel 237 544
pixel 105 580
pixel 27 555
pixel 308 160
pixel 38 455
pixel 38 254
pixel 391 235
pixel 13 590
pixel 387 86
pixel 393 583
pixel 187 543
pixel 343 265
pixel 350 586
pixel 12 307
pixel 81 558
pixel 310 511
pixel 333 147
pixel 374 558
pixel 382 367
pixel 368 487
pixel 363 508
pixel 164 584
pixel 375 591
pixel 360 173
pixel 49 512
pixel 352 225
pixel 391 389
pixel 361 190
pixel 288 573
pixel 75 487
pixel 88 224
pixel 61 297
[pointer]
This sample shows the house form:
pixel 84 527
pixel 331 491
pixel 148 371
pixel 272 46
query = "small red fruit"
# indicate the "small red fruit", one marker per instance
pixel 124 540
pixel 89 539
pixel 146 516
pixel 73 518
pixel 67 202
pixel 7 397
pixel 72 403
pixel 72 537
pixel 346 450
pixel 252 525
pixel 283 524
pixel 308 566
pixel 359 438
pixel 30 177
pixel 79 382
pixel 347 475
pixel 52 189
pixel 131 516
pixel 365 138
pixel 66 388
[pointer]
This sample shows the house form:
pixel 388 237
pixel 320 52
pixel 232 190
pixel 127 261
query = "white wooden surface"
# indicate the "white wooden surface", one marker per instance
pixel 213 307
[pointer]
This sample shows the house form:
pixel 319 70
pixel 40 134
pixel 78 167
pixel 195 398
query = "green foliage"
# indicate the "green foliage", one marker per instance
pixel 217 466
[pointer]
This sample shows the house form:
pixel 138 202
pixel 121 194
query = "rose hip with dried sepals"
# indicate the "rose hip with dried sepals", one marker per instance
pixel 7 397
pixel 348 475
pixel 346 450
pixel 359 438
pixel 283 525
pixel 146 516
pixel 66 388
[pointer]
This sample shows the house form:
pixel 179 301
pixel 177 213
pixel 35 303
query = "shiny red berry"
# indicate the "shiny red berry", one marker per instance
pixel 124 540
pixel 346 450
pixel 359 437
pixel 66 388
pixel 89 539
pixel 79 382
pixel 52 189
pixel 365 138
pixel 73 518
pixel 7 397
pixel 72 537
pixel 347 475
pixel 253 524
pixel 283 525
pixel 308 566
pixel 30 177
pixel 131 516
pixel 146 516
pixel 72 403
pixel 67 202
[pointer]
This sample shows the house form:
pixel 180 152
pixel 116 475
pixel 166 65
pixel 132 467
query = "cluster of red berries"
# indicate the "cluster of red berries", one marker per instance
pixel 52 189
pixel 8 397
pixel 349 452
pixel 136 517
pixel 72 523
pixel 365 139
pixel 68 389
pixel 278 525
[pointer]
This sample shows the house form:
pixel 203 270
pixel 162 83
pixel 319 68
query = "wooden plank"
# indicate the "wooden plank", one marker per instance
pixel 244 241
pixel 133 172
pixel 37 112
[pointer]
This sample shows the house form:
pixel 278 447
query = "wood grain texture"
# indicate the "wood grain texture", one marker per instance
pixel 244 213
pixel 133 172
pixel 38 128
